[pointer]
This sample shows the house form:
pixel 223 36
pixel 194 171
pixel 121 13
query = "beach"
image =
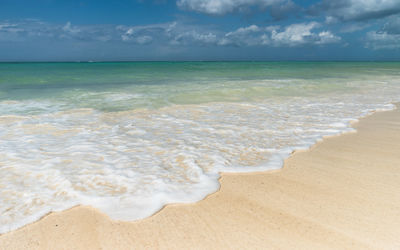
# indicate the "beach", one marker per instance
pixel 200 124
pixel 343 193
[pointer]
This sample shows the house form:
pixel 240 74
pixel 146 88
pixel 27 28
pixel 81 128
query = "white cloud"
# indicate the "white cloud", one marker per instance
pixel 173 34
pixel 11 32
pixel 353 27
pixel 181 34
pixel 35 29
pixel 382 40
pixel 191 37
pixel 276 36
pixel 347 10
pixel 220 7
pixel 300 34
pixel 168 33
pixel 294 34
pixel 69 29
pixel 144 39
pixel 244 30
pixel 388 37
pixel 245 36
pixel 140 39
pixel 290 36
pixel 9 27
pixel 326 37
pixel 392 26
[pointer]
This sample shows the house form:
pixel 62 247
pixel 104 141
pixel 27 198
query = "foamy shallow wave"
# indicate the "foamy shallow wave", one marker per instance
pixel 130 164
pixel 128 153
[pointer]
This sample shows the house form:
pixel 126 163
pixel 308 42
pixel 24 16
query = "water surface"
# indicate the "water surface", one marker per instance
pixel 128 138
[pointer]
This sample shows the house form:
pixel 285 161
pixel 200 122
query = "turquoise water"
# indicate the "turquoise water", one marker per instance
pixel 158 84
pixel 130 137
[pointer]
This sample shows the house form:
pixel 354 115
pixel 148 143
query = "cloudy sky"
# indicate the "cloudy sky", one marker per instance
pixel 101 30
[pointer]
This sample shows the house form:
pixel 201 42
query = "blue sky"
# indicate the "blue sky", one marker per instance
pixel 99 30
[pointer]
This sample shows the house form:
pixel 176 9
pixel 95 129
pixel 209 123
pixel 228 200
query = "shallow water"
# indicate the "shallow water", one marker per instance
pixel 128 138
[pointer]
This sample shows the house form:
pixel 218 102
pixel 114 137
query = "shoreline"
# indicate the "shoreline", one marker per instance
pixel 266 167
pixel 349 128
pixel 170 213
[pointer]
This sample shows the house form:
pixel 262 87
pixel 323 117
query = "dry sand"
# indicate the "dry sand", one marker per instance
pixel 344 193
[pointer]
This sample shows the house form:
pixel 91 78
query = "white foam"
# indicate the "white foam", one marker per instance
pixel 130 164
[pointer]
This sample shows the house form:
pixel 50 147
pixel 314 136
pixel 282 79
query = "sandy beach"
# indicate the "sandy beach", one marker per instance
pixel 343 193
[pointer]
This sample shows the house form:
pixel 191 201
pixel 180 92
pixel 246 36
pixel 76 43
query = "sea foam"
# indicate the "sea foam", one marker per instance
pixel 132 162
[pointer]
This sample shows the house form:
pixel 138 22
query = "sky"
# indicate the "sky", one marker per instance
pixel 130 30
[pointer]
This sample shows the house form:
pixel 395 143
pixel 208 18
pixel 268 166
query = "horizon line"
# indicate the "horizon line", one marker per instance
pixel 131 61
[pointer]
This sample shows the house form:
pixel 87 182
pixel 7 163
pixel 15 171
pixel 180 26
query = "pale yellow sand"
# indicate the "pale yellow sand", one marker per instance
pixel 344 193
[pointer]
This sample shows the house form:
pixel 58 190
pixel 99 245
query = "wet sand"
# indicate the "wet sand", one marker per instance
pixel 343 193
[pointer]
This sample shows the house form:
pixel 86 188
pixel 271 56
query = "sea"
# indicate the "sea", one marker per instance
pixel 128 138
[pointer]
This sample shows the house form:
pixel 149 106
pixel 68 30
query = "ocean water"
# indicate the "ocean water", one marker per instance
pixel 129 138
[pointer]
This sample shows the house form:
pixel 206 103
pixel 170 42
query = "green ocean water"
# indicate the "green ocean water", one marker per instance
pixel 157 84
pixel 130 137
